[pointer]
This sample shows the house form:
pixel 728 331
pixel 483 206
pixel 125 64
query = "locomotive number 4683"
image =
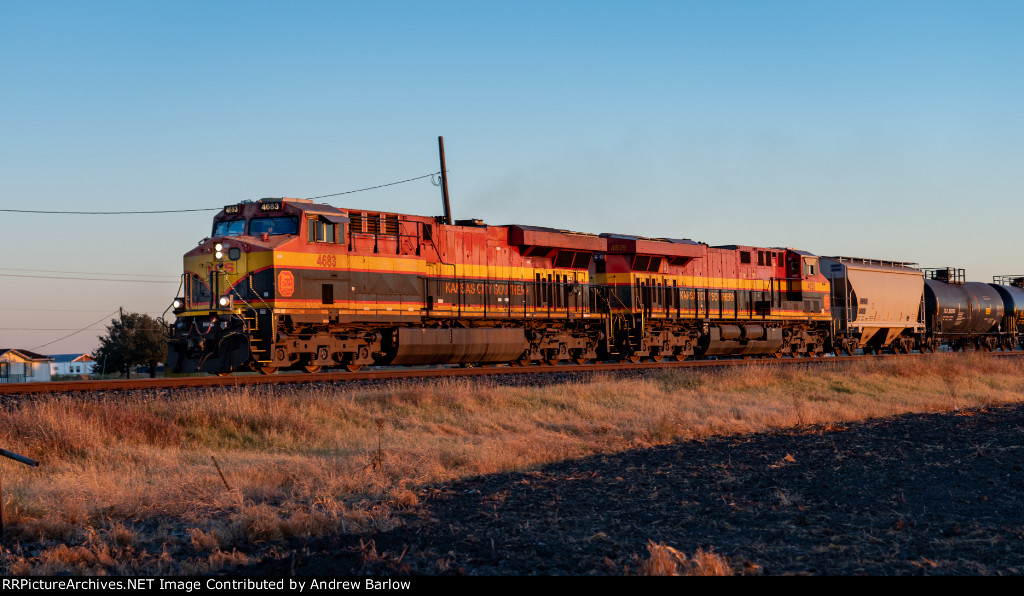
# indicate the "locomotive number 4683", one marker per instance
pixel 327 260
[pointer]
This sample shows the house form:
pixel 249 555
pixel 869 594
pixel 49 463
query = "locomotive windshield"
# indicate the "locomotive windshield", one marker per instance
pixel 274 226
pixel 231 227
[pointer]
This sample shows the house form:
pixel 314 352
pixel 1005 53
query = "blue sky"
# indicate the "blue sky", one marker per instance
pixel 877 129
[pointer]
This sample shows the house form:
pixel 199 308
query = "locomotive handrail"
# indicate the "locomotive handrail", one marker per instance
pixel 170 306
pixel 257 294
pixel 244 301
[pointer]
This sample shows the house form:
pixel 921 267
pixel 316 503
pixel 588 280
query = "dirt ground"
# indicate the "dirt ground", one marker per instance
pixel 911 495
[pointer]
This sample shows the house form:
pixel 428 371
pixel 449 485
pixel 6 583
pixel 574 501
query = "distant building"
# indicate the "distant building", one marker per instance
pixel 71 364
pixel 23 366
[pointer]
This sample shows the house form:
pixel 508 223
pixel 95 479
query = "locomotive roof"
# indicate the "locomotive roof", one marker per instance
pixel 538 236
pixel 673 247
pixel 554 230
pixel 671 240
pixel 746 246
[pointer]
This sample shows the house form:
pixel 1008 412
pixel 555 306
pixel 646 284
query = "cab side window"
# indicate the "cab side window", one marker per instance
pixel 810 267
pixel 321 230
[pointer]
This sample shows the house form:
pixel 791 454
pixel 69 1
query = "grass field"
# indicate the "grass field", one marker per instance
pixel 202 481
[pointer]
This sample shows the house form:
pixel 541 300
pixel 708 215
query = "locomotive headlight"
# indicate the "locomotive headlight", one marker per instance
pixel 218 247
pixel 224 301
pixel 177 303
pixel 218 254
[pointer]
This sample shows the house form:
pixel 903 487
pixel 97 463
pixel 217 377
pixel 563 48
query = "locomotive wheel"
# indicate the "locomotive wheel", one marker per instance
pixel 581 360
pixel 680 357
pixel 266 370
pixel 312 368
pixel 223 374
pixel 354 367
pixel 552 361
pixel 632 359
pixel 657 358
pixel 778 355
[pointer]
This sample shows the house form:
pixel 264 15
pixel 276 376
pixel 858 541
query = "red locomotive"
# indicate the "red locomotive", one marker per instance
pixel 287 283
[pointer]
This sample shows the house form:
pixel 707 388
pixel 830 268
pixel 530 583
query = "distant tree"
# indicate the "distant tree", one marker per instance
pixel 133 339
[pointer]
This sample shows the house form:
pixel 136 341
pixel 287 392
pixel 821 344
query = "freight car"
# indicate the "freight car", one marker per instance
pixel 876 304
pixel 288 283
pixel 1011 289
pixel 971 315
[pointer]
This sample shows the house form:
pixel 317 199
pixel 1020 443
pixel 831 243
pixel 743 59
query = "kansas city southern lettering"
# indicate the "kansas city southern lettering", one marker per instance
pixel 494 289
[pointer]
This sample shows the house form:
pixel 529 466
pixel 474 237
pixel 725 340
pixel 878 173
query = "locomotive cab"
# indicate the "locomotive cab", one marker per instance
pixel 228 286
pixel 805 288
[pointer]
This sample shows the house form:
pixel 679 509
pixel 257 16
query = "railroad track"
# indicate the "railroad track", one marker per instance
pixel 385 373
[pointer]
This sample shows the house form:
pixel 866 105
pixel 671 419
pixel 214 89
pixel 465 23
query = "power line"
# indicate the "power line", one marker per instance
pixel 137 281
pixel 76 332
pixel 37 211
pixel 47 329
pixel 86 272
pixel 347 192
pixel 4 309
pixel 73 329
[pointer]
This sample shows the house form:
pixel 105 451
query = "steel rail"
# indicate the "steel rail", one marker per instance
pixel 387 373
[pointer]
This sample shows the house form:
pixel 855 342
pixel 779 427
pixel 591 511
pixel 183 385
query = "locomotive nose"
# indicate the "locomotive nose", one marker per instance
pixel 223 252
pixel 215 273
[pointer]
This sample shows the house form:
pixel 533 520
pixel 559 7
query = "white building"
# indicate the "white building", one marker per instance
pixel 71 364
pixel 23 366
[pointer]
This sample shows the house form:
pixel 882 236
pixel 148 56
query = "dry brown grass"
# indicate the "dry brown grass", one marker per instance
pixel 665 560
pixel 128 485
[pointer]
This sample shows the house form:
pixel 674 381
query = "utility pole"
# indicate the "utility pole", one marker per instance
pixel 127 370
pixel 444 183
